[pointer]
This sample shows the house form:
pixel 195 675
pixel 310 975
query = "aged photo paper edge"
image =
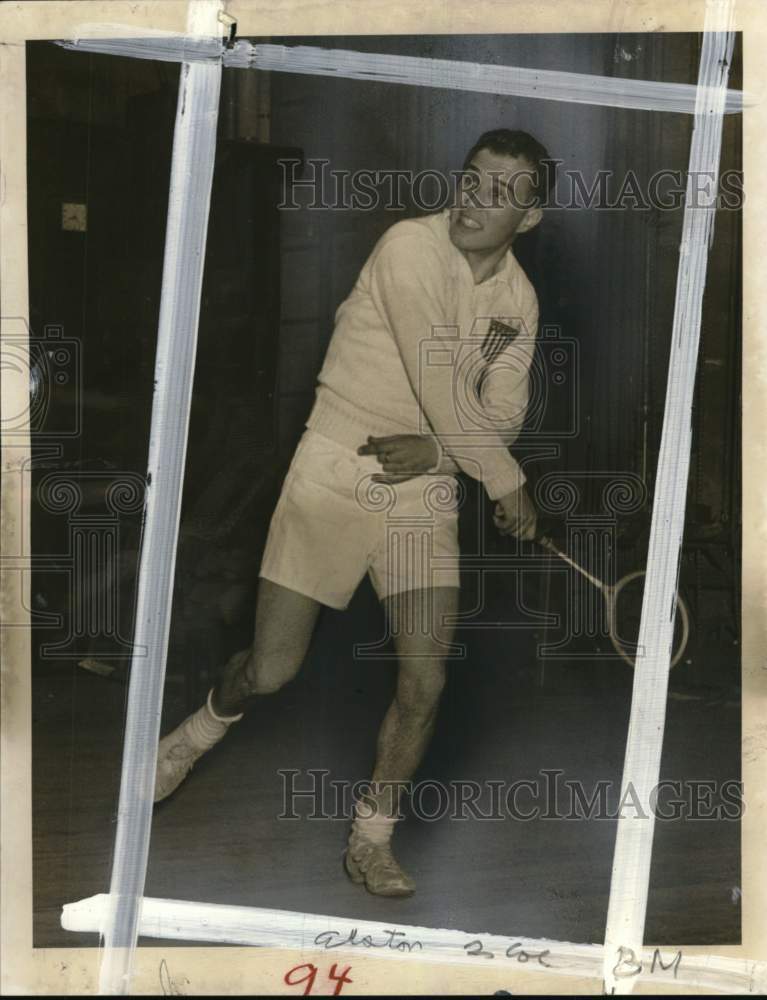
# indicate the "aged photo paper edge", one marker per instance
pixel 18 23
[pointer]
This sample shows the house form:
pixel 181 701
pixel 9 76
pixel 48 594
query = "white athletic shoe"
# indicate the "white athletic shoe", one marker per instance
pixel 179 751
pixel 376 867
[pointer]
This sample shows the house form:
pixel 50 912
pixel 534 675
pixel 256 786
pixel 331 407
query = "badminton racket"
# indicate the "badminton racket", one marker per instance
pixel 611 593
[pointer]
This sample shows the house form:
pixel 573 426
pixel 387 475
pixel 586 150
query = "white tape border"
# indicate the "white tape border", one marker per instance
pixel 513 81
pixel 629 885
pixel 417 71
pixel 214 923
pixel 194 148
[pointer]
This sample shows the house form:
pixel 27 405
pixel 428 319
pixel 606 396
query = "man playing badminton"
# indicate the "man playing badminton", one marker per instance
pixel 426 374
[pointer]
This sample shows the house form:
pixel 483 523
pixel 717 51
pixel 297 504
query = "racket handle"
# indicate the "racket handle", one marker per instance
pixel 546 529
pixel 545 542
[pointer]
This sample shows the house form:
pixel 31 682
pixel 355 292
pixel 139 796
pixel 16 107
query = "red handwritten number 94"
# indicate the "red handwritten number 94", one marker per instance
pixel 311 974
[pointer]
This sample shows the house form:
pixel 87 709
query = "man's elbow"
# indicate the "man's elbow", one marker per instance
pixel 506 422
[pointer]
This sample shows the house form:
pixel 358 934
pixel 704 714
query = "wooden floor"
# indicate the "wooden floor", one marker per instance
pixel 219 839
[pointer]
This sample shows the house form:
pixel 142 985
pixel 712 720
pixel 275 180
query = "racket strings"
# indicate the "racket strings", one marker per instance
pixel 586 604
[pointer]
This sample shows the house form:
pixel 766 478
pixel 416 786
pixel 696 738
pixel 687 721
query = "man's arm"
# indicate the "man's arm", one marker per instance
pixel 503 395
pixel 503 392
pixel 505 389
pixel 409 287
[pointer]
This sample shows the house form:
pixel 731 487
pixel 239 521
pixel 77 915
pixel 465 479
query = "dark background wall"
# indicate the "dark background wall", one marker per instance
pixel 606 278
pixel 100 135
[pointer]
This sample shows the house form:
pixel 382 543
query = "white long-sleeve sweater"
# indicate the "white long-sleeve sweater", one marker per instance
pixel 411 354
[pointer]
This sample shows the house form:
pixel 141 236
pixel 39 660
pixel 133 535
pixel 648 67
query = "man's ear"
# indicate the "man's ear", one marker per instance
pixel 532 217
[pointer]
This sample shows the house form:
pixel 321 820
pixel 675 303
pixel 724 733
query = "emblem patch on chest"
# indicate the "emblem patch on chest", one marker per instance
pixel 498 337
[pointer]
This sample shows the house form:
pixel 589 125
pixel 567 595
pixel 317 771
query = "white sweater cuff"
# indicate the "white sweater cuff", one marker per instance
pixel 506 482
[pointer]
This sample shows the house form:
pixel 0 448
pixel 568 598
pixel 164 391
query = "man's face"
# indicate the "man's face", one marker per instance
pixel 491 204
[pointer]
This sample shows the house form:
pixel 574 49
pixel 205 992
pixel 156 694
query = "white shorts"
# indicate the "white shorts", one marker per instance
pixel 333 524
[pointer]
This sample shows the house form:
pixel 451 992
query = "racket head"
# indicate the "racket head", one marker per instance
pixel 681 626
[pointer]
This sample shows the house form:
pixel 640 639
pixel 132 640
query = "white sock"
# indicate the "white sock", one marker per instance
pixel 205 728
pixel 377 829
pixel 220 718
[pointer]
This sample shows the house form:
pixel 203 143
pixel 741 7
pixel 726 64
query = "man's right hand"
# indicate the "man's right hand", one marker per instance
pixel 515 515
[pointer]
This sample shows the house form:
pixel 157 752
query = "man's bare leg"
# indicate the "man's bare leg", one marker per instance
pixel 421 637
pixel 285 621
pixel 421 649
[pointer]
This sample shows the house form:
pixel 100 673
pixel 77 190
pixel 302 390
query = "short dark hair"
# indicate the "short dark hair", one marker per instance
pixel 511 142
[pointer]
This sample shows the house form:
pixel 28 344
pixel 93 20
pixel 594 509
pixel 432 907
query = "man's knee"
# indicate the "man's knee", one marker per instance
pixel 422 622
pixel 267 674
